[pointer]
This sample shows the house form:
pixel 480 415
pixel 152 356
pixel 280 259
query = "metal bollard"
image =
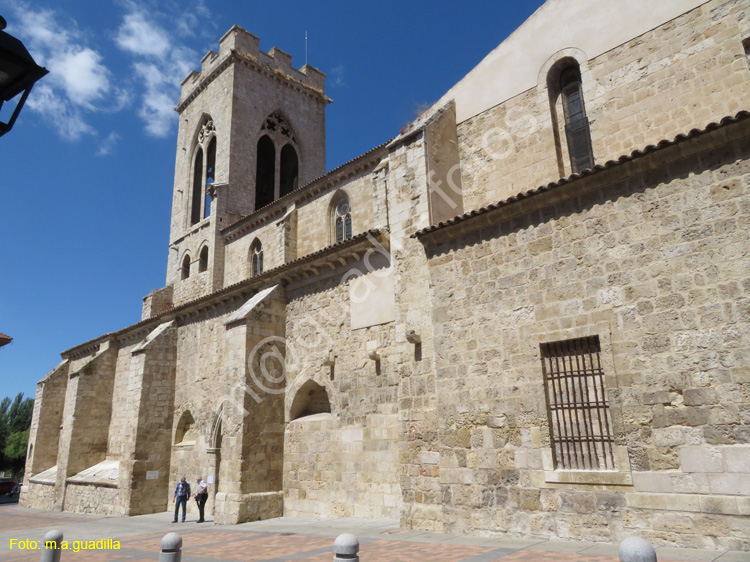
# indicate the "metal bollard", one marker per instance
pixel 171 548
pixel 52 554
pixel 635 549
pixel 346 548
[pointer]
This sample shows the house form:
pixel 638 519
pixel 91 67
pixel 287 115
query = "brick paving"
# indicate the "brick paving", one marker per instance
pixel 311 541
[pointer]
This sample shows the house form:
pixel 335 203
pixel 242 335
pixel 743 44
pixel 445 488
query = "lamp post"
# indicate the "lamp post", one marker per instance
pixel 18 74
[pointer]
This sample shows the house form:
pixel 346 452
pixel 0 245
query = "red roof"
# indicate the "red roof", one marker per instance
pixel 4 340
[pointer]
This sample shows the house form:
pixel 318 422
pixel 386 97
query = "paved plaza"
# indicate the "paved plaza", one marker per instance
pixel 301 540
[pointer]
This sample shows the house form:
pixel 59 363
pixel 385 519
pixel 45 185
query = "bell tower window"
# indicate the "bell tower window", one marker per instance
pixel 288 171
pixel 195 210
pixel 277 165
pixel 204 173
pixel 210 176
pixel 265 172
pixel 185 269
pixel 203 259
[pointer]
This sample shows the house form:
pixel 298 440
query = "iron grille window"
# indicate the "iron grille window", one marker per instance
pixel 577 407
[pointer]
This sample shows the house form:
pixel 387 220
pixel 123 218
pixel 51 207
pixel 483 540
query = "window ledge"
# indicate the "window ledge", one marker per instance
pixel 595 477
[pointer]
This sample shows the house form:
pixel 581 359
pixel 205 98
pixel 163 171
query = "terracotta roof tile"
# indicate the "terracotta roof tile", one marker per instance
pixel 741 116
pixel 265 276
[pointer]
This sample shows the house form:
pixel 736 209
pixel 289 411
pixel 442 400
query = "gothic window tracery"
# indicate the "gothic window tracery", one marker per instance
pixel 278 123
pixel 277 163
pixel 204 172
pixel 341 217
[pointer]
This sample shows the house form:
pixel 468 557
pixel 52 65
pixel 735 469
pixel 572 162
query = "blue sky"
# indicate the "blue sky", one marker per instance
pixel 86 173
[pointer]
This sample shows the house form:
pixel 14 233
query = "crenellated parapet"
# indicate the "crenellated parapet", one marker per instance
pixel 239 45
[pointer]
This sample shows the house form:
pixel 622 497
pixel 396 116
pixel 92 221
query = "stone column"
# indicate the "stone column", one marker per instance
pixel 214 462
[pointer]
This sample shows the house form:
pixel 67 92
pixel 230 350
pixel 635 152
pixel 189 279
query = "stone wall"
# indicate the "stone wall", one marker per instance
pixel 346 465
pixel 682 75
pixel 650 257
pixel 239 258
pixel 334 470
pixel 44 435
pixel 88 410
pixel 38 496
pixel 92 499
pixel 315 216
pixel 146 461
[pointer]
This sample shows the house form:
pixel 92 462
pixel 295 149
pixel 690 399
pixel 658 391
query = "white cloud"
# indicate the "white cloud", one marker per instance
pixel 336 76
pixel 161 60
pixel 64 117
pixel 78 82
pixel 141 37
pixel 107 146
pixel 82 75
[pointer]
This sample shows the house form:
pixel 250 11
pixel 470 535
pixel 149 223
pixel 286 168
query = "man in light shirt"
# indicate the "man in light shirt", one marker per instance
pixel 201 495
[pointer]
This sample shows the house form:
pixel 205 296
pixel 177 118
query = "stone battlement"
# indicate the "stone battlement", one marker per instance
pixel 244 43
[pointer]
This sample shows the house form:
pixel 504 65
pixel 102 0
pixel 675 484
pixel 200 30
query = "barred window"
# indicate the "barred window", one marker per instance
pixel 577 408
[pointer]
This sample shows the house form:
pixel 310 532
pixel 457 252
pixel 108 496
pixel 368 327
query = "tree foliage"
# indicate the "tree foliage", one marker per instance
pixel 15 421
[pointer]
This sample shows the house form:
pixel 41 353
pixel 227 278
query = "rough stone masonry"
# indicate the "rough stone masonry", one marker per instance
pixel 527 314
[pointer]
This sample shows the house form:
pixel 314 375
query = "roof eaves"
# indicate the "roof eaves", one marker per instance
pixel 664 143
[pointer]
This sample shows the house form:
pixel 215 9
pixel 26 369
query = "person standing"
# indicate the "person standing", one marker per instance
pixel 201 495
pixel 181 495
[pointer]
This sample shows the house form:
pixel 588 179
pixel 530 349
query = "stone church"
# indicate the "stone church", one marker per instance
pixel 526 314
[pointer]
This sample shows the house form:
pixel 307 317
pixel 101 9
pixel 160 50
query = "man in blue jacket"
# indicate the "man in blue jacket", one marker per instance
pixel 181 494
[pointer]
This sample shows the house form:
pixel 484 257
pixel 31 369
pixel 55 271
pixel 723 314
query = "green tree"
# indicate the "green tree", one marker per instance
pixel 15 421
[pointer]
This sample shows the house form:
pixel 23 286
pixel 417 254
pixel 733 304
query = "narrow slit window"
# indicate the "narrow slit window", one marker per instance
pixel 289 169
pixel 746 46
pixel 195 211
pixel 203 261
pixel 256 257
pixel 265 173
pixel 577 131
pixel 210 176
pixel 577 407
pixel 185 270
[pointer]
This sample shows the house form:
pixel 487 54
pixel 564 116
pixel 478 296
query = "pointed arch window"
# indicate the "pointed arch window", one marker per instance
pixel 210 176
pixel 288 171
pixel 185 269
pixel 311 399
pixel 195 210
pixel 277 165
pixel 265 172
pixel 203 259
pixel 341 214
pixel 577 131
pixel 256 257
pixel 204 173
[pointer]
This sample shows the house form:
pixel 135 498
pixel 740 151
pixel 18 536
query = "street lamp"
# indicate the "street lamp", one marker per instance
pixel 18 73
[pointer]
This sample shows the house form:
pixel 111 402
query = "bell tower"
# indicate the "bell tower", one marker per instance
pixel 251 130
